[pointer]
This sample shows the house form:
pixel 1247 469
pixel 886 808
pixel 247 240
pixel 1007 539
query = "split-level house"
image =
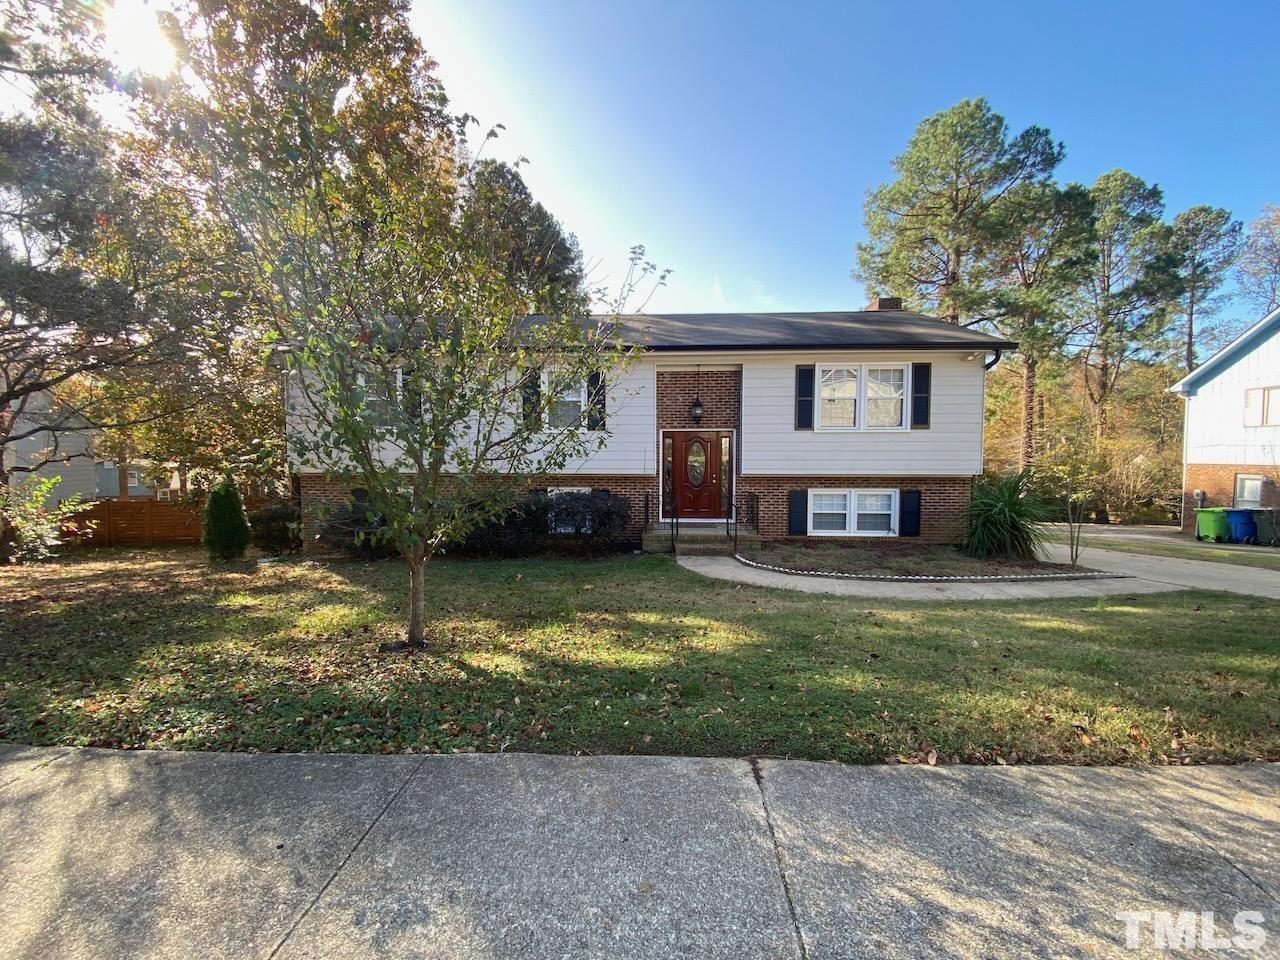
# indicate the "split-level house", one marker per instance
pixel 1231 432
pixel 837 424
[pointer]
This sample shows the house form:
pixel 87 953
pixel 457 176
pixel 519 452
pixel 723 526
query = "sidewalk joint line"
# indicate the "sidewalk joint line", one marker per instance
pixel 350 853
pixel 758 775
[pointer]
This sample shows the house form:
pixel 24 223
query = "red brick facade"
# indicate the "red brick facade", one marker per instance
pixel 719 390
pixel 942 500
pixel 1218 481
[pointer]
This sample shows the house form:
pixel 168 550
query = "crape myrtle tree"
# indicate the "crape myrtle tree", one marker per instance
pixel 396 278
pixel 929 228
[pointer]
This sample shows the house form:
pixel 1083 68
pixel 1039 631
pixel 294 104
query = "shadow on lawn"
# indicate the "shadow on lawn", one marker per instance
pixel 621 655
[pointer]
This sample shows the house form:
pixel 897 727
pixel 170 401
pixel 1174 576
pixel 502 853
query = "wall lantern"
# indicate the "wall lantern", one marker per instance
pixel 695 408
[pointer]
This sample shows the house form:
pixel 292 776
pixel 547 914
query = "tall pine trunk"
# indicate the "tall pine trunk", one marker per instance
pixel 1189 360
pixel 1028 450
pixel 417 603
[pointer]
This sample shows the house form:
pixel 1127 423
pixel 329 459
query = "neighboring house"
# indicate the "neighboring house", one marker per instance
pixel 1231 434
pixel 850 424
pixel 63 453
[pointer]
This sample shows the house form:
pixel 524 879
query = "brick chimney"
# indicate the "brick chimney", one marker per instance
pixel 885 303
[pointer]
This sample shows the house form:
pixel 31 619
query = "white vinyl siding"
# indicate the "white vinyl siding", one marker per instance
pixel 853 513
pixel 1234 417
pixel 771 444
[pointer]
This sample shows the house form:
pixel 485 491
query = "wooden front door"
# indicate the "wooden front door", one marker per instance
pixel 701 473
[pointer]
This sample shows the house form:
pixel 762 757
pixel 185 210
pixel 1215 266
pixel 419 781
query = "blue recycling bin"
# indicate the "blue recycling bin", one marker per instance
pixel 1244 528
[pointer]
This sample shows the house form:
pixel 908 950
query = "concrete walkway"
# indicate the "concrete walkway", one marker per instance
pixel 1143 574
pixel 176 856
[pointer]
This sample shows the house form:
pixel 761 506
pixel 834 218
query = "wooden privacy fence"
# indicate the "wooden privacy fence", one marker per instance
pixel 138 523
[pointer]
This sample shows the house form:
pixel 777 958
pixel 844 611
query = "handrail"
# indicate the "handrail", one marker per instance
pixel 675 528
pixel 646 511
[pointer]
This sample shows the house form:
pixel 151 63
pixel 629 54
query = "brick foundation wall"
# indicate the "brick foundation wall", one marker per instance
pixel 719 390
pixel 942 500
pixel 1218 481
pixel 320 495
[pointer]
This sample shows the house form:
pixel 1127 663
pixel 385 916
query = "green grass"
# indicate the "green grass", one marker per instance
pixel 1267 558
pixel 892 558
pixel 624 655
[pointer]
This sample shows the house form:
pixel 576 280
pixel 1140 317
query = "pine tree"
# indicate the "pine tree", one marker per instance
pixel 226 529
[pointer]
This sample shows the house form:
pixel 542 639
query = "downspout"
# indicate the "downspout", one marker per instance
pixel 994 360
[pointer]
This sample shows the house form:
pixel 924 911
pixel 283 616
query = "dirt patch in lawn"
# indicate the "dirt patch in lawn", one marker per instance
pixel 895 559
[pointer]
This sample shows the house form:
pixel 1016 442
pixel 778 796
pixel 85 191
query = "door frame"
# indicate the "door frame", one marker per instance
pixel 733 479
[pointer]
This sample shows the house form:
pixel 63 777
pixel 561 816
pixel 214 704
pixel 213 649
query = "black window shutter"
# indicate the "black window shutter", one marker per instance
pixel 909 514
pixel 798 511
pixel 531 391
pixel 921 386
pixel 804 397
pixel 595 400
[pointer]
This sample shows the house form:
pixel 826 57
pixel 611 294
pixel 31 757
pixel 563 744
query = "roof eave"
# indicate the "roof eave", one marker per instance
pixel 1004 345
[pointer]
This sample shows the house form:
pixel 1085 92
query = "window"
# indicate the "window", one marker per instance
pixel 838 398
pixel 886 396
pixel 132 479
pixel 1248 490
pixel 861 513
pixel 162 494
pixel 380 408
pixel 564 524
pixel 566 402
pixel 1262 407
pixel 862 397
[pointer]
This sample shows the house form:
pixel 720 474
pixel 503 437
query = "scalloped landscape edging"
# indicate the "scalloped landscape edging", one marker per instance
pixel 907 578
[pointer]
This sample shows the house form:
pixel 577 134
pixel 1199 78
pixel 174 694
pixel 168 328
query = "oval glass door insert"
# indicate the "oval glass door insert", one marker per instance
pixel 695 458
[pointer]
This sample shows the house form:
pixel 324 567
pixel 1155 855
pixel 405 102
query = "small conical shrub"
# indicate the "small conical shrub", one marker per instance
pixel 226 529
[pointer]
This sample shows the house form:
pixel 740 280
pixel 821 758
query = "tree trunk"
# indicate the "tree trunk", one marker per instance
pixel 417 603
pixel 1028 450
pixel 122 478
pixel 1190 358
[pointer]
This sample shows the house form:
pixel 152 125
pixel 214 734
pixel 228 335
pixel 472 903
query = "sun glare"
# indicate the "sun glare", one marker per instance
pixel 133 40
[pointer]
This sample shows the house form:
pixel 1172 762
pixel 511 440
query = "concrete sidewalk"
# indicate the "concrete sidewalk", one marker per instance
pixel 170 855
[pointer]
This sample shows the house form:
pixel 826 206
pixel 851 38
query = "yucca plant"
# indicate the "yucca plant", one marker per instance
pixel 1004 517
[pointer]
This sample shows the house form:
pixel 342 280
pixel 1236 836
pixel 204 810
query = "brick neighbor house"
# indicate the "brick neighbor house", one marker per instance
pixel 846 424
pixel 1231 433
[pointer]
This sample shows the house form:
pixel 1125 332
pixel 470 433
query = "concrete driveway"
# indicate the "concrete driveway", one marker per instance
pixel 165 855
pixel 1174 571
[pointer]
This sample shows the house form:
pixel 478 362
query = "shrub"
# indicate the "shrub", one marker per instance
pixel 566 522
pixel 355 530
pixel 226 529
pixel 274 528
pixel 30 529
pixel 522 532
pixel 1003 519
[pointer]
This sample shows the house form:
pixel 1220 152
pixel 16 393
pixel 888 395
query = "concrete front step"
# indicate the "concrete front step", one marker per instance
pixel 697 540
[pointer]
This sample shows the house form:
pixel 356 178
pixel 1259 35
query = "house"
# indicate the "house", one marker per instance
pixel 46 441
pixel 1231 432
pixel 846 424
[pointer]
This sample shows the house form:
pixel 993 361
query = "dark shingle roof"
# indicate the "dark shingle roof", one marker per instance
pixel 857 329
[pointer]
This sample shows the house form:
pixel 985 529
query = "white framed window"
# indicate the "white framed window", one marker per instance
pixel 1262 407
pixel 162 494
pixel 886 403
pixel 561 526
pixel 867 396
pixel 853 513
pixel 1248 490
pixel 381 408
pixel 566 400
pixel 132 479
pixel 838 398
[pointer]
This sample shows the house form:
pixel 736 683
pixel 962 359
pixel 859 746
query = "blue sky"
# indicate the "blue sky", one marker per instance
pixel 738 140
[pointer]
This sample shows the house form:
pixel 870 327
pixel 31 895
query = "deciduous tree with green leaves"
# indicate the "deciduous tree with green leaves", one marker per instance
pixel 1206 241
pixel 390 266
pixel 930 229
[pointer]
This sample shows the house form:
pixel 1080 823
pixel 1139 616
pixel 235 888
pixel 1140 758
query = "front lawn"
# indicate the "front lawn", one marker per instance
pixel 894 558
pixel 632 654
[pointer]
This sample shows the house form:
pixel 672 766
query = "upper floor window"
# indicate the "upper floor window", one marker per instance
pixel 1262 407
pixel 566 401
pixel 862 397
pixel 133 479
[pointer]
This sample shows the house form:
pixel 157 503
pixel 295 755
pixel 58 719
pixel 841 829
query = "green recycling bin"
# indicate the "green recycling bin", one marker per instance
pixel 1211 524
pixel 1267 532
